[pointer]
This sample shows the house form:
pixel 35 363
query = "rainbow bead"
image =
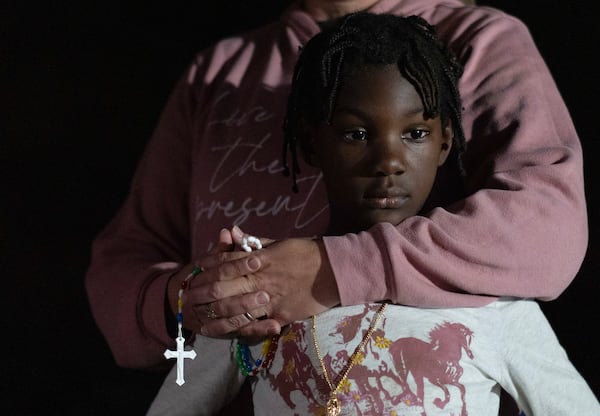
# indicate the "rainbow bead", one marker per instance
pixel 250 367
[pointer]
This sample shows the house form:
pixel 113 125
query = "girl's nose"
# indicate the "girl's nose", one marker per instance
pixel 388 157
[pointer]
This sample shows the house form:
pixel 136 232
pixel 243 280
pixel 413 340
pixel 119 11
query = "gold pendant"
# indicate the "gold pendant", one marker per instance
pixel 333 406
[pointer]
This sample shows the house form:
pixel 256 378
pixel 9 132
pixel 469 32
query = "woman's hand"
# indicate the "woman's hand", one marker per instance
pixel 255 294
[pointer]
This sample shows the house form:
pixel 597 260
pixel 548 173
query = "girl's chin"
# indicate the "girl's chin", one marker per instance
pixel 366 221
pixel 391 216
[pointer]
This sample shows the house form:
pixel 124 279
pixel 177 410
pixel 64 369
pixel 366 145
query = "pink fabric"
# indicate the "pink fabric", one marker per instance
pixel 214 161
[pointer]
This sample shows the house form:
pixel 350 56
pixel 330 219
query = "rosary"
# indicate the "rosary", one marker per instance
pixel 180 353
pixel 248 365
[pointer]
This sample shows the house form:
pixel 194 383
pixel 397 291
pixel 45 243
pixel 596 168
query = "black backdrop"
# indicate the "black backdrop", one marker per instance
pixel 81 87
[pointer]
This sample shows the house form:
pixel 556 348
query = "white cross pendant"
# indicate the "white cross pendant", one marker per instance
pixel 181 355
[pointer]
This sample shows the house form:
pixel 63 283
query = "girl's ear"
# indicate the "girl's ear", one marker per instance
pixel 446 144
pixel 308 147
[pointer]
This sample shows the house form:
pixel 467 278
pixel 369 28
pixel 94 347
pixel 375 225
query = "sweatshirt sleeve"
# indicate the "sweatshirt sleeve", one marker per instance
pixel 521 230
pixel 144 244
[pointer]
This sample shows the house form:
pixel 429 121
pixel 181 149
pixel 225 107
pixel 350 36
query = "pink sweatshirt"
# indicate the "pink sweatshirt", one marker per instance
pixel 518 228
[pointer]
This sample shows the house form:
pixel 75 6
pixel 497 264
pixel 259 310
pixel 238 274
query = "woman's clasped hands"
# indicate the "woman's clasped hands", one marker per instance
pixel 251 294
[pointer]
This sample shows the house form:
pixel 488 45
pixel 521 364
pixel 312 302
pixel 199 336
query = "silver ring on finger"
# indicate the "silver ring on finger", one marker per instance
pixel 249 316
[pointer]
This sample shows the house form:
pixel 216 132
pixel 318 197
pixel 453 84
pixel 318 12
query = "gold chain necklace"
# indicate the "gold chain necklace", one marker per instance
pixel 333 404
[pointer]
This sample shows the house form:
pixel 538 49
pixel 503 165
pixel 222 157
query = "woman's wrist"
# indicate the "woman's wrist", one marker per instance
pixel 325 288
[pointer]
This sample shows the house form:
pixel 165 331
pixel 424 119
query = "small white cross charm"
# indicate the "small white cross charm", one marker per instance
pixel 181 355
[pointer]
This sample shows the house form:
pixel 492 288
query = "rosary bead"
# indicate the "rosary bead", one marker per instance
pixel 245 360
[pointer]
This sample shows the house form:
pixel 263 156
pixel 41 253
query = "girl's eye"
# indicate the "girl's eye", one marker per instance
pixel 416 134
pixel 355 135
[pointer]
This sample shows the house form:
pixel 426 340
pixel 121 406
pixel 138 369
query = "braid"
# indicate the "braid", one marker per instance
pixel 360 39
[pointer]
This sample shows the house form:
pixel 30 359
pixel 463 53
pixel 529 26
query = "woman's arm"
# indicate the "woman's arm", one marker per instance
pixel 521 230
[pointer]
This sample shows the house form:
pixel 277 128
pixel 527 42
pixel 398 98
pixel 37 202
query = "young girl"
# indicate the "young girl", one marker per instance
pixel 375 105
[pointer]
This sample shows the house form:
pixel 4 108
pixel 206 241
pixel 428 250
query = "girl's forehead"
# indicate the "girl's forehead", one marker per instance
pixel 378 93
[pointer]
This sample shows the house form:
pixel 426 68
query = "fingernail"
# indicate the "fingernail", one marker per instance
pixel 274 331
pixel 237 231
pixel 262 298
pixel 253 263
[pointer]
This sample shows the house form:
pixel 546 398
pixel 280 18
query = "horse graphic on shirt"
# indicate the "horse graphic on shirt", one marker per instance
pixel 390 374
pixel 436 361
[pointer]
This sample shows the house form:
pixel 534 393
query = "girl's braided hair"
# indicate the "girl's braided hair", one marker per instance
pixel 365 39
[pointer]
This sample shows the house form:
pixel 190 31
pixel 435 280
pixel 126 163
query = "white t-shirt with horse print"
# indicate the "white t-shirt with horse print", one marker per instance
pixel 425 362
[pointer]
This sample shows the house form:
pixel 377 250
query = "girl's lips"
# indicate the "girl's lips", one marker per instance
pixel 385 197
pixel 387 202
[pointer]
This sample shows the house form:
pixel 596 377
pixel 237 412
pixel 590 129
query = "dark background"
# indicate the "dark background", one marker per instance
pixel 81 87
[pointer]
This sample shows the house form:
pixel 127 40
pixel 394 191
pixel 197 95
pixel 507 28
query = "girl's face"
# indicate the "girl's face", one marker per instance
pixel 379 156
